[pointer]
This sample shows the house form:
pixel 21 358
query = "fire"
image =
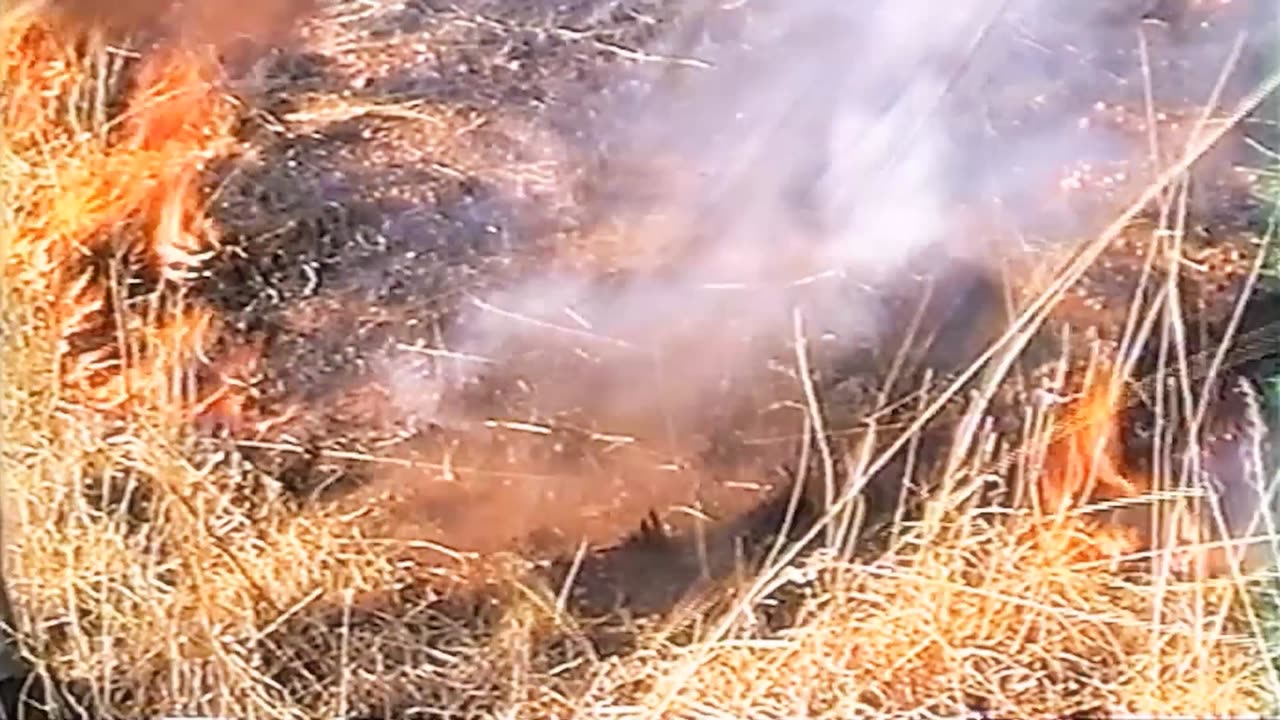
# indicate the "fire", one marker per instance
pixel 120 202
pixel 1083 463
pixel 143 179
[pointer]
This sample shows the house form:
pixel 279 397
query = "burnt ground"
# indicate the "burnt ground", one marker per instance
pixel 402 165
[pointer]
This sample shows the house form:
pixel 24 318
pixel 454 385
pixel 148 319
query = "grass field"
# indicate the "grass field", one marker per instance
pixel 230 491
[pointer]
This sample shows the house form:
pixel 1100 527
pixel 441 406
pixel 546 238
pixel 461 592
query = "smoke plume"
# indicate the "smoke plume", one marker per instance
pixel 803 174
pixel 838 146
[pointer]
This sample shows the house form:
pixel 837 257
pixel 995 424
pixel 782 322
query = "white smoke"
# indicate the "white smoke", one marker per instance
pixel 814 147
pixel 829 149
pixel 839 139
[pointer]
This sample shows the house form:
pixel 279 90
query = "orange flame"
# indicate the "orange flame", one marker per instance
pixel 35 71
pixel 1083 463
pixel 128 192
pixel 175 123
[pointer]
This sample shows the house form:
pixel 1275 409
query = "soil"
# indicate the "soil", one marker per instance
pixel 361 233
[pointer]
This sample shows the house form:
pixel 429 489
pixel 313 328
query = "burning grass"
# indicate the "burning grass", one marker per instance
pixel 110 224
pixel 1083 462
pixel 158 571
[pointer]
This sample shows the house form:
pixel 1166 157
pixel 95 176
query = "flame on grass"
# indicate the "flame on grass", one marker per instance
pixel 113 228
pixel 133 190
pixel 1083 463
pixel 36 69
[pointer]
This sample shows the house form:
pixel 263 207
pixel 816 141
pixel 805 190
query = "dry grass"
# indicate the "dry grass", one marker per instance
pixel 1002 617
pixel 156 573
